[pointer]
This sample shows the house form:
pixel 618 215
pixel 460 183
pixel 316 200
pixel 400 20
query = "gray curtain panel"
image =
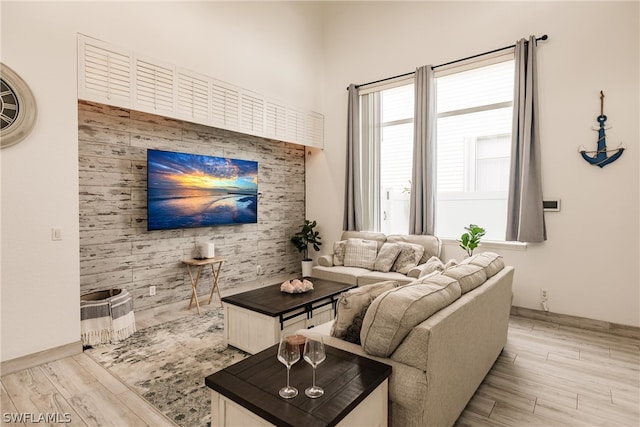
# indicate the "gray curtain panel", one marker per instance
pixel 352 195
pixel 423 177
pixel 525 215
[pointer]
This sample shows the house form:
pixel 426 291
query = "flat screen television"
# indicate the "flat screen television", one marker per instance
pixel 193 190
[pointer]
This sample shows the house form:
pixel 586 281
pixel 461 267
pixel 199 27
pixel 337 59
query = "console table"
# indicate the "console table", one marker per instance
pixel 254 320
pixel 199 264
pixel 355 392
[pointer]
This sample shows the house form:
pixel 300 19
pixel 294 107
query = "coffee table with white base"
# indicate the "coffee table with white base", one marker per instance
pixel 254 320
pixel 355 392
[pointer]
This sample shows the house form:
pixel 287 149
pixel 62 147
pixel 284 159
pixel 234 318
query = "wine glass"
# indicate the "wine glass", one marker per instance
pixel 314 355
pixel 288 353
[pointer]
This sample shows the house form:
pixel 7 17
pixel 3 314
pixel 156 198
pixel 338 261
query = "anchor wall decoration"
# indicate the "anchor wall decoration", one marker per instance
pixel 600 158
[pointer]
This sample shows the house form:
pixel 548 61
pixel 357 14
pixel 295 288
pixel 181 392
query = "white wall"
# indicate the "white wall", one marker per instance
pixel 589 265
pixel 274 49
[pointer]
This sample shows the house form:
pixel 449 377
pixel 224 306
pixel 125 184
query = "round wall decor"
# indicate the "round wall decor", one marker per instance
pixel 17 108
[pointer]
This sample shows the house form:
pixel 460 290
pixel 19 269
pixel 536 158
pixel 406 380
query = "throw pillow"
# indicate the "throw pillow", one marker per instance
pixel 351 304
pixel 338 252
pixel 360 253
pixel 408 258
pixel 433 264
pixel 393 314
pixel 386 257
pixel 352 334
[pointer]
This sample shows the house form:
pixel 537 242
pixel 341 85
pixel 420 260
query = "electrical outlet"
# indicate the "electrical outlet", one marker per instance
pixel 152 291
pixel 544 295
pixel 259 270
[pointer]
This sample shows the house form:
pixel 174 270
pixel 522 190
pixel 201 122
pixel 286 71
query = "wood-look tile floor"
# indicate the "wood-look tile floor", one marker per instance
pixel 547 375
pixel 550 375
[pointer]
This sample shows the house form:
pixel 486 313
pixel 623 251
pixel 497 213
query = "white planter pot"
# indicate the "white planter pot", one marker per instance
pixel 306 268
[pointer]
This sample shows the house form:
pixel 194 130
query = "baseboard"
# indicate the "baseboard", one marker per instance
pixel 41 357
pixel 578 322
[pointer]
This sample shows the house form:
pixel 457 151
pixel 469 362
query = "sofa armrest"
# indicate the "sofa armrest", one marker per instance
pixel 326 260
pixel 458 345
pixel 407 384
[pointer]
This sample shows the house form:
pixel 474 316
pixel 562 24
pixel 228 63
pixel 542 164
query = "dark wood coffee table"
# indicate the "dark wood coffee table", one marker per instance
pixel 246 393
pixel 255 319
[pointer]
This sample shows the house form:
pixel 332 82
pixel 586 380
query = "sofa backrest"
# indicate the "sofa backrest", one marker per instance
pixel 366 235
pixel 432 244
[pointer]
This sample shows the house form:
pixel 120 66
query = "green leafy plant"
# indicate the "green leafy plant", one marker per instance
pixel 306 237
pixel 470 240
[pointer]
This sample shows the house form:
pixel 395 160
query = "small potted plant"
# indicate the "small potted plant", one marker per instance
pixel 304 238
pixel 470 240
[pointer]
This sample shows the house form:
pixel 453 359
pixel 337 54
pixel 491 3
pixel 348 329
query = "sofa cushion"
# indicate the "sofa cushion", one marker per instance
pixel 371 277
pixel 433 264
pixel 491 262
pixel 469 276
pixel 339 273
pixel 360 253
pixel 338 252
pixel 427 268
pixel 408 258
pixel 351 304
pixel 379 238
pixel 386 257
pixel 393 314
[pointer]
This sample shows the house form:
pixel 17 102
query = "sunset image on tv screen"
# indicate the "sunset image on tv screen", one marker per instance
pixel 192 190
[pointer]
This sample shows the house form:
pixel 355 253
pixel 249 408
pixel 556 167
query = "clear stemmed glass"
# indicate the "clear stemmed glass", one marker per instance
pixel 314 355
pixel 288 353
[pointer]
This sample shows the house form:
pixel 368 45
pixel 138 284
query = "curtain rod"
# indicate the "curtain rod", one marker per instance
pixel 544 37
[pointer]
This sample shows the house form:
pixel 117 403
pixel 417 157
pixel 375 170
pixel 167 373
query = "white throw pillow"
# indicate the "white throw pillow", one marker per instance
pixel 386 257
pixel 360 253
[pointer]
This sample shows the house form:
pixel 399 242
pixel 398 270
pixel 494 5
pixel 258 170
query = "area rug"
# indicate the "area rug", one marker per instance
pixel 167 364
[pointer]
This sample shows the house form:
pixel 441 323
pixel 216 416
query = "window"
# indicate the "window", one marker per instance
pixel 474 109
pixel 387 156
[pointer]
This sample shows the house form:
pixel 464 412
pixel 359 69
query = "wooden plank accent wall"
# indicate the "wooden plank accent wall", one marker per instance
pixel 117 251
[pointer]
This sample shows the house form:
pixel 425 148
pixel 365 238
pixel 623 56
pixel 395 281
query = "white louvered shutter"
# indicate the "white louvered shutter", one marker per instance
pixel 276 120
pixel 252 113
pixel 295 126
pixel 193 96
pixel 154 85
pixel 225 106
pixel 104 72
pixel 314 126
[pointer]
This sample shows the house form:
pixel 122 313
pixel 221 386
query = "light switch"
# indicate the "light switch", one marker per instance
pixel 56 233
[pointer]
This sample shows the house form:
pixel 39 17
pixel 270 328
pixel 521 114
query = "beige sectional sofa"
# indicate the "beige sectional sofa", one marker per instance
pixel 361 271
pixel 440 333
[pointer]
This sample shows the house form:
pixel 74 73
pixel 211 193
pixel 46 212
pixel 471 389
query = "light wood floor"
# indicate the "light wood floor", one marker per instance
pixel 547 375
pixel 550 375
